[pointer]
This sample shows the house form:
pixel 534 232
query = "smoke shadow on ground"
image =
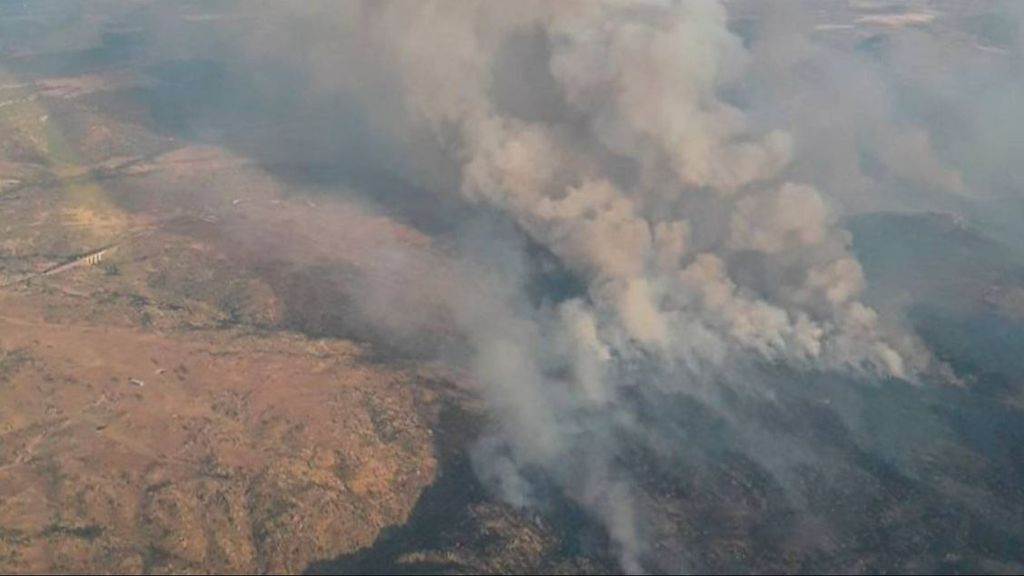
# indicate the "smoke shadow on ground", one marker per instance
pixel 450 496
pixel 452 527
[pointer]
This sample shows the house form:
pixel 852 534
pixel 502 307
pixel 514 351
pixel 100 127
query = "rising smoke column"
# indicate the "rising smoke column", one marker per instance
pixel 649 186
pixel 644 80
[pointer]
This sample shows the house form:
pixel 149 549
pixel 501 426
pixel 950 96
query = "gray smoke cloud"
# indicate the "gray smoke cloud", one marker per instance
pixel 641 87
pixel 695 247
pixel 897 115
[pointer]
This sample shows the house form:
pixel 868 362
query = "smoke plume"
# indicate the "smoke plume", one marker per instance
pixel 695 248
pixel 687 179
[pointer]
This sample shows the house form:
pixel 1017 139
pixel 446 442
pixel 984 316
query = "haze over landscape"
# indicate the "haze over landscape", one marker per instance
pixel 545 287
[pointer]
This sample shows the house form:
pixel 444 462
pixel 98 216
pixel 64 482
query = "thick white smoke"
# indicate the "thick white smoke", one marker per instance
pixel 641 82
pixel 651 187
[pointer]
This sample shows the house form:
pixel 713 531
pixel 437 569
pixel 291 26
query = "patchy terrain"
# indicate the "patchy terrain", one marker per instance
pixel 130 450
pixel 156 416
